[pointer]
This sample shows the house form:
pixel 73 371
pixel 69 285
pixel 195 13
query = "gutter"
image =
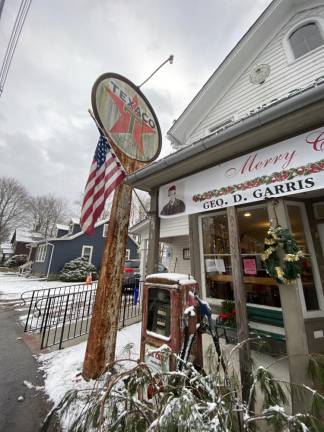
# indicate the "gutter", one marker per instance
pixel 50 262
pixel 260 118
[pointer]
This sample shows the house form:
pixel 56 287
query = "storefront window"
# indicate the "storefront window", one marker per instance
pixel 253 225
pixel 307 276
pixel 217 258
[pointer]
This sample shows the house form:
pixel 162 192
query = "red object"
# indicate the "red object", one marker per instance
pixel 105 175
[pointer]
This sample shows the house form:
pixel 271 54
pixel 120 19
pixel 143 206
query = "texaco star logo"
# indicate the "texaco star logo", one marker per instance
pixel 131 120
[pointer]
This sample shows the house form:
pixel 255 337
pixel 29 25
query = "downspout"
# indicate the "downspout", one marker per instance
pixel 50 262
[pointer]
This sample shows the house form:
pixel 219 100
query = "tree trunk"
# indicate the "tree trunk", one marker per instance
pixel 103 330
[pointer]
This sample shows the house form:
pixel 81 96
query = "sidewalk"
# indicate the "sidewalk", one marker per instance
pixel 17 365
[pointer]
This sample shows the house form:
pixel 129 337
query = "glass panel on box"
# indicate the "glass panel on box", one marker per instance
pixel 307 276
pixel 159 311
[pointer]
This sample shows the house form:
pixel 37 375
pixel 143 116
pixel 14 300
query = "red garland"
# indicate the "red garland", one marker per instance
pixel 305 170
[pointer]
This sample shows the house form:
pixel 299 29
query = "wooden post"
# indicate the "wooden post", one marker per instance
pixel 154 235
pixel 240 303
pixel 103 330
pixel 296 339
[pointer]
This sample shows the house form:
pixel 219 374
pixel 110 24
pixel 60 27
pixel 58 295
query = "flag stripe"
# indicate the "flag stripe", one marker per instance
pixel 105 175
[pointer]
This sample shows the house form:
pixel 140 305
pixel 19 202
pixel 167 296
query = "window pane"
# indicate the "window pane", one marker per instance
pixel 305 39
pixel 215 235
pixel 217 258
pixel 253 226
pixel 86 253
pixel 307 277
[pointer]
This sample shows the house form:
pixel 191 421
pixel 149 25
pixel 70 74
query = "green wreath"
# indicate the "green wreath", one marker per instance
pixel 282 256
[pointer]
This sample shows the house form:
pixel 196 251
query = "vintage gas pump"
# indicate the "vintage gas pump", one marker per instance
pixel 168 317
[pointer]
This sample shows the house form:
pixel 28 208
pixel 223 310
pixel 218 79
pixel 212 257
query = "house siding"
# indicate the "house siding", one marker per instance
pixel 242 96
pixel 66 250
pixel 176 263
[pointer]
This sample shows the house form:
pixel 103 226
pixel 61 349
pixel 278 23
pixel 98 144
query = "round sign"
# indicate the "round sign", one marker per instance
pixel 127 116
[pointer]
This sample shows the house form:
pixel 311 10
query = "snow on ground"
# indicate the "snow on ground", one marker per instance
pixel 12 285
pixel 63 368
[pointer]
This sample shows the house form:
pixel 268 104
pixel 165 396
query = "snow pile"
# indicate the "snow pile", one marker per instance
pixel 12 286
pixel 177 278
pixel 63 368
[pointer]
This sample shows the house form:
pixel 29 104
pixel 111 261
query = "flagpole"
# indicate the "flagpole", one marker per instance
pixel 170 59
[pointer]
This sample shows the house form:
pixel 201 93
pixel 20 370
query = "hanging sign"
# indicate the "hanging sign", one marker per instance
pixel 127 116
pixel 290 167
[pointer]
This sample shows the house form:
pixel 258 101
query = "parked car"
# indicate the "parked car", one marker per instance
pixel 131 275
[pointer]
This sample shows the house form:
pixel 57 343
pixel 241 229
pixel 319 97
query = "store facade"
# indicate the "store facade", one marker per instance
pixel 282 182
pixel 285 178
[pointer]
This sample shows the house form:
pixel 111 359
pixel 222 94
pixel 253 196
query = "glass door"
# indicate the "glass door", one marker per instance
pixel 310 283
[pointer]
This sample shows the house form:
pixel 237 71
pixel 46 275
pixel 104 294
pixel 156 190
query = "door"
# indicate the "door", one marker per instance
pixel 309 283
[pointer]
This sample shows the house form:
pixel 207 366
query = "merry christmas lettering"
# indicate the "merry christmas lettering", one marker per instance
pixel 253 163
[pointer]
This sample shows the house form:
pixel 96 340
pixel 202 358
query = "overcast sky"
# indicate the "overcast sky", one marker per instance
pixel 47 139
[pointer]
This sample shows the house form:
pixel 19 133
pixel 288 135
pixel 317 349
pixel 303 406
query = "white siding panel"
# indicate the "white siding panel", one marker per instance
pixel 243 96
pixel 176 263
pixel 174 227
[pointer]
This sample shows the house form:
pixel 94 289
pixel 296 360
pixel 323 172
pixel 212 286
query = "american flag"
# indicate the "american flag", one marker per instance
pixel 105 175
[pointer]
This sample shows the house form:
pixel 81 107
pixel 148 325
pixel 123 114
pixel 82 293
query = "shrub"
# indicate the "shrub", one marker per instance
pixel 16 261
pixel 77 270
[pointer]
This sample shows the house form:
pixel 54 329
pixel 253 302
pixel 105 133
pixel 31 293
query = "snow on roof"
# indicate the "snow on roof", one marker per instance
pixel 71 237
pixel 75 221
pixel 62 227
pixel 136 229
pixel 6 248
pixel 28 236
pixel 177 278
pixel 101 222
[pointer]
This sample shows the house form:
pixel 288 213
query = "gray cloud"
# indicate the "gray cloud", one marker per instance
pixel 47 139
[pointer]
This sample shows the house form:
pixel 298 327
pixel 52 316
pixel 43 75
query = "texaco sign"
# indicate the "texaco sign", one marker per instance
pixel 127 116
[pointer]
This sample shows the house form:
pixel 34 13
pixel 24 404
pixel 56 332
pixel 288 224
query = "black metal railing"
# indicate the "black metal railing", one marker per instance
pixel 67 317
pixel 38 302
pixel 64 313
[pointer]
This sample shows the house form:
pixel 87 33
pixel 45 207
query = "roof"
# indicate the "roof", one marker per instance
pixel 71 237
pixel 23 236
pixel 75 221
pixel 254 41
pixel 62 227
pixel 293 114
pixel 137 228
pixel 6 248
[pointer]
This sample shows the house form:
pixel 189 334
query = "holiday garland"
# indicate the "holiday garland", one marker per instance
pixel 304 170
pixel 282 256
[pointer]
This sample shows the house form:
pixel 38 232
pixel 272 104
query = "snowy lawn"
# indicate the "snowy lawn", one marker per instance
pixel 12 286
pixel 63 368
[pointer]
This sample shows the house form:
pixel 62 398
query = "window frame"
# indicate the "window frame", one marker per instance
pixel 105 230
pixel 287 44
pixel 41 253
pixel 91 251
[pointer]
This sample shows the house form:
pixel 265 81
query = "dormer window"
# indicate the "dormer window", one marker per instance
pixel 305 39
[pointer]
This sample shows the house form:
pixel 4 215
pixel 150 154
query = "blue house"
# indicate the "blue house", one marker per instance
pixel 50 255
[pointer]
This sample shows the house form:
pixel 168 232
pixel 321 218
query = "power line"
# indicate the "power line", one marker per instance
pixel 16 31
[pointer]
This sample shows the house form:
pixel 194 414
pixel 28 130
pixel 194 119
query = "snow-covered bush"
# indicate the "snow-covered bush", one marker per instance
pixel 139 400
pixel 16 261
pixel 77 270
